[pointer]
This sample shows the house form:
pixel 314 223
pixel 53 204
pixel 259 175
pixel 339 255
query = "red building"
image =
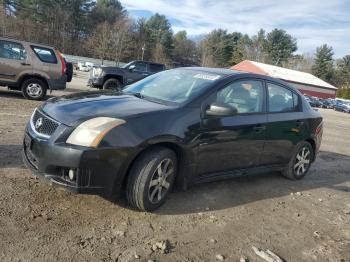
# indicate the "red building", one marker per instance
pixel 306 83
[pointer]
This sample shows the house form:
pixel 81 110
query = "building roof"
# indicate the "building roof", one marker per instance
pixel 282 73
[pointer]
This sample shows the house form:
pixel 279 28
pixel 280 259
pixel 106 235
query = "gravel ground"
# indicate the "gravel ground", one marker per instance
pixel 307 220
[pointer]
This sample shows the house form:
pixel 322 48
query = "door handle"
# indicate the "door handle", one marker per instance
pixel 259 128
pixel 25 64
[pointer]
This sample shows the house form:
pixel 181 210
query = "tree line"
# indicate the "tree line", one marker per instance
pixel 103 29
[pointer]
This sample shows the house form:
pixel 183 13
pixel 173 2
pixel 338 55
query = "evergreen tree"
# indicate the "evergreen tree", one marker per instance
pixel 323 63
pixel 159 44
pixel 279 46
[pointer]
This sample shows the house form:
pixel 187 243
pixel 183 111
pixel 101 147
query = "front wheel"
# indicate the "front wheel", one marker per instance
pixel 112 84
pixel 300 162
pixel 151 179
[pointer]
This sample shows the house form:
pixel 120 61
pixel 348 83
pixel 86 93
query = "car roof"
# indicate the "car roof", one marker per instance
pixel 149 62
pixel 220 71
pixel 22 41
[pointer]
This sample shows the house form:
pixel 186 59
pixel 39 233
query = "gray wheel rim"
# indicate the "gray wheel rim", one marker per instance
pixel 34 90
pixel 160 181
pixel 302 161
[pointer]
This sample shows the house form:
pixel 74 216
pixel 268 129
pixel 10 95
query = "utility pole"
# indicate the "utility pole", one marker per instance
pixel 143 50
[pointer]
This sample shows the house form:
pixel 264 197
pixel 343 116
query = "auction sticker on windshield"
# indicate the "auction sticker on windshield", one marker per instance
pixel 207 77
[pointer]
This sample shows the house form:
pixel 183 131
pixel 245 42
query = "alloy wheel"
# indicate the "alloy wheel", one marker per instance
pixel 34 90
pixel 160 181
pixel 302 161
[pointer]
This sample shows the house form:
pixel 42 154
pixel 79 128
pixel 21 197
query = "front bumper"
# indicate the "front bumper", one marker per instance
pixel 95 82
pixel 97 171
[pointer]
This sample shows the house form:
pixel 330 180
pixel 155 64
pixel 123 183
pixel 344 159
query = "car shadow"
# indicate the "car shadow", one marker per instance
pixel 329 171
pixel 19 95
pixel 11 94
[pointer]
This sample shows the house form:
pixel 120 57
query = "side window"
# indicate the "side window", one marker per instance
pixel 45 55
pixel 246 96
pixel 139 66
pixel 281 99
pixel 11 50
pixel 154 68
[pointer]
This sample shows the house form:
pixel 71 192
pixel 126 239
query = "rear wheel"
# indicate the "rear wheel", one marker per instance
pixel 300 162
pixel 34 89
pixel 112 84
pixel 151 179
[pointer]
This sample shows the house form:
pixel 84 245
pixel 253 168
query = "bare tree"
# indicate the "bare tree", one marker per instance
pixel 159 54
pixel 120 38
pixel 100 41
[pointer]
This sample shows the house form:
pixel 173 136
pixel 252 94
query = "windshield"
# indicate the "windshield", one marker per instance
pixel 175 86
pixel 127 65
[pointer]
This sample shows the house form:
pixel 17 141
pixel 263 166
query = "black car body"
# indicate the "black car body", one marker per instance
pixel 117 77
pixel 210 138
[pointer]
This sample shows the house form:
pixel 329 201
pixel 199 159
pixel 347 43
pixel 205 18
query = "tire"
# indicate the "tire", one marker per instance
pixel 34 89
pixel 112 84
pixel 146 190
pixel 297 171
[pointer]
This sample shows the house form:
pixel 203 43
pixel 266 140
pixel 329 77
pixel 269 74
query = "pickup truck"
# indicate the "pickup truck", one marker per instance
pixel 116 77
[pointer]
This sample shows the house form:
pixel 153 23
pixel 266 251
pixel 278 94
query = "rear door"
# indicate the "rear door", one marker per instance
pixel 155 68
pixel 234 142
pixel 286 124
pixel 14 61
pixel 46 62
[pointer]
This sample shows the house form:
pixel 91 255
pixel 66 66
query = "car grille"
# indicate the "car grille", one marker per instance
pixel 43 124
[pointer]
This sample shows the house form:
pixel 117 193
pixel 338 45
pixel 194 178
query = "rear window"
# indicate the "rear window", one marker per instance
pixel 282 99
pixel 154 68
pixel 45 55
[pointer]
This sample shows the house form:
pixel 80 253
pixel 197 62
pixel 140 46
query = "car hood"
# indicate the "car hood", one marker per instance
pixel 74 108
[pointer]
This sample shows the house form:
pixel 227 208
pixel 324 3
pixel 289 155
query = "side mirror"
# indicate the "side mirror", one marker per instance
pixel 132 67
pixel 221 109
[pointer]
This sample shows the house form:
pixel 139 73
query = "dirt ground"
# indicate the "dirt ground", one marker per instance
pixel 306 220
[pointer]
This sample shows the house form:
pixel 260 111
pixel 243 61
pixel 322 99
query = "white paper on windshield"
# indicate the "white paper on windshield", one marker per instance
pixel 207 77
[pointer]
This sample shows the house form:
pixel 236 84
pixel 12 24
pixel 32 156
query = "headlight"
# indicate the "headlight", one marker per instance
pixel 97 71
pixel 91 132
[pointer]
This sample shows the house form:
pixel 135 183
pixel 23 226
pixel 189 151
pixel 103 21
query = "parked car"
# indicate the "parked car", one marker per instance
pixel 180 126
pixel 342 107
pixel 317 101
pixel 83 67
pixel 311 101
pixel 326 103
pixel 32 68
pixel 117 77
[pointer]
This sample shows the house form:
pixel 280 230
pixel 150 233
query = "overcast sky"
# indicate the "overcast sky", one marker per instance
pixel 311 22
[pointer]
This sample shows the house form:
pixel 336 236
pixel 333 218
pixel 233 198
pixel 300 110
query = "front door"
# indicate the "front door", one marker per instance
pixel 285 127
pixel 234 142
pixel 137 71
pixel 13 61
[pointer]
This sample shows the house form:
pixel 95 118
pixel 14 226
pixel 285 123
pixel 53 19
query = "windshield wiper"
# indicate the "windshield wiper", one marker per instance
pixel 137 94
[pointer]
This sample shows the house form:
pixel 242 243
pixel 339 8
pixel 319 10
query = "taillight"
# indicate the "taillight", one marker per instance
pixel 319 128
pixel 63 63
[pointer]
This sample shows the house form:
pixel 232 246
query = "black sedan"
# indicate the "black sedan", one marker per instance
pixel 178 127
